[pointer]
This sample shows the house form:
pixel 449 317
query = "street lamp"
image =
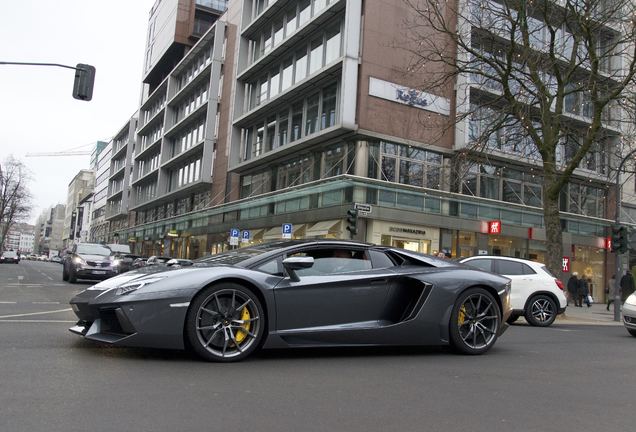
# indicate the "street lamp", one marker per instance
pixel 617 220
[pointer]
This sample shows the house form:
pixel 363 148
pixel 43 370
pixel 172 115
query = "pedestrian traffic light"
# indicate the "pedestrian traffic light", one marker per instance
pixel 84 80
pixel 620 239
pixel 352 222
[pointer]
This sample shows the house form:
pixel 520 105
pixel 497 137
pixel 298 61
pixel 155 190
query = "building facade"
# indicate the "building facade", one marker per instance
pixel 99 227
pixel 291 112
pixel 81 186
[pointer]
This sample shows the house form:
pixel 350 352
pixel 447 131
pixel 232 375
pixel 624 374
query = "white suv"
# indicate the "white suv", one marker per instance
pixel 535 293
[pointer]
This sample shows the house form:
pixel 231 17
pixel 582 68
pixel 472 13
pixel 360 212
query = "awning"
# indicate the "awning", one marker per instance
pixel 276 233
pixel 322 228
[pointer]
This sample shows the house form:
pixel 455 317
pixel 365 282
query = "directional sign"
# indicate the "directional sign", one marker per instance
pixel 245 236
pixel 363 209
pixel 234 236
pixel 287 230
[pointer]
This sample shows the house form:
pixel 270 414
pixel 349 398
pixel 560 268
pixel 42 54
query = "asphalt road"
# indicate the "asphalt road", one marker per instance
pixel 563 378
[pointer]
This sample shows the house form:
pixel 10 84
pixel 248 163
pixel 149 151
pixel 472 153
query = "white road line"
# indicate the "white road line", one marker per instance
pixel 45 302
pixel 35 313
pixel 2 302
pixel 35 321
pixel 20 278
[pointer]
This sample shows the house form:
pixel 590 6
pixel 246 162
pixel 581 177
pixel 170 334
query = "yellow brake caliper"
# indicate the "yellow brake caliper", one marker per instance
pixel 240 334
pixel 461 316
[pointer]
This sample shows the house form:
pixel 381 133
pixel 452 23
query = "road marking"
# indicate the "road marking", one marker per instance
pixel 36 321
pixel 2 302
pixel 45 302
pixel 20 278
pixel 34 313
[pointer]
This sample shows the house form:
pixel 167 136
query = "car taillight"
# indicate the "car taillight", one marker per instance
pixel 559 284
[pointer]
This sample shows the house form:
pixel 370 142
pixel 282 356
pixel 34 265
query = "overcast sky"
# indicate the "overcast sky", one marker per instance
pixel 37 110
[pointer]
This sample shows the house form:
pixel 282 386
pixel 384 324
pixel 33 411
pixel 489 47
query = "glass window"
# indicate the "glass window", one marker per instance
pixel 489 187
pixel 481 263
pixel 301 65
pixel 333 45
pixel 312 114
pixel 274 84
pixel 510 268
pixel 319 5
pixel 315 59
pixel 278 33
pixel 329 107
pixel 267 42
pixel 433 177
pixel 283 124
pixel 388 169
pixel 511 192
pixel 270 267
pixel 305 12
pixel 532 195
pixel 287 75
pixel 290 26
pixel 258 144
pixel 271 134
pixel 297 121
pixel 380 259
pixel 411 173
pixel 262 94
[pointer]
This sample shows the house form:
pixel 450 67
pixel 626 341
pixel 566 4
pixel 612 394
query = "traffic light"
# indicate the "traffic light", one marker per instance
pixel 620 239
pixel 84 80
pixel 352 222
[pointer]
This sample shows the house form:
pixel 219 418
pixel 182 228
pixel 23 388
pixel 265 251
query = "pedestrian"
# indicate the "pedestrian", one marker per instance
pixel 583 292
pixel 627 285
pixel 610 291
pixel 573 286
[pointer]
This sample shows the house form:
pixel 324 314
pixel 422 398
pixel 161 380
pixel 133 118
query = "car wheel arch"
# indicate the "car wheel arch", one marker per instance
pixel 445 327
pixel 545 293
pixel 238 281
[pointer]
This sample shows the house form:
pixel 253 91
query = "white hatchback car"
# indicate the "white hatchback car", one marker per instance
pixel 629 314
pixel 535 293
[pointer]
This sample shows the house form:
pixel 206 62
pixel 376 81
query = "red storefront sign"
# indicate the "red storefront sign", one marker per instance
pixel 565 266
pixel 608 243
pixel 494 227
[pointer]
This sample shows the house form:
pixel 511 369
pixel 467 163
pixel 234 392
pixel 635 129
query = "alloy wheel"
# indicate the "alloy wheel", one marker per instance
pixel 478 321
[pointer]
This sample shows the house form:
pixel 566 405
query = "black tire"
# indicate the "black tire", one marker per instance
pixel 225 323
pixel 632 332
pixel 475 322
pixel 72 277
pixel 64 274
pixel 541 311
pixel 512 318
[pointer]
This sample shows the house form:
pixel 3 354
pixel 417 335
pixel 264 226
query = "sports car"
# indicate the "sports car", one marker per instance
pixel 308 293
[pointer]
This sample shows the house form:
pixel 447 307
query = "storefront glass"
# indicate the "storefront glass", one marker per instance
pixel 588 261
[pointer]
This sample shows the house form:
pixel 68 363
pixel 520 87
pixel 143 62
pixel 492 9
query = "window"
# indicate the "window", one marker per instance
pixel 305 12
pixel 510 268
pixel 315 59
pixel 312 114
pixel 333 45
pixel 301 65
pixel 334 261
pixel 481 263
pixel 329 107
pixel 287 75
pixel 297 119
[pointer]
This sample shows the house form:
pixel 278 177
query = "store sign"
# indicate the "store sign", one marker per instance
pixel 608 243
pixel 494 227
pixel 408 96
pixel 407 230
pixel 565 265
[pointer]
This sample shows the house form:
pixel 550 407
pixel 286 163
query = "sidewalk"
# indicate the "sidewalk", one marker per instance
pixel 596 315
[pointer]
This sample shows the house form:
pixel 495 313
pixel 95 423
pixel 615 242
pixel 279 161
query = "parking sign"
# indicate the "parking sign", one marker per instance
pixel 234 236
pixel 245 236
pixel 287 229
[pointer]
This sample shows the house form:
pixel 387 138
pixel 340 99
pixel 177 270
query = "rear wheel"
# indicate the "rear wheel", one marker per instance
pixel 541 311
pixel 474 322
pixel 225 323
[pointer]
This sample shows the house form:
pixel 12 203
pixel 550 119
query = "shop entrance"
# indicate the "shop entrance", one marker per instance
pixel 415 245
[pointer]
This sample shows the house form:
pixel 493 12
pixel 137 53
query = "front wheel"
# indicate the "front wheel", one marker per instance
pixel 225 323
pixel 72 277
pixel 541 311
pixel 64 274
pixel 474 321
pixel 632 332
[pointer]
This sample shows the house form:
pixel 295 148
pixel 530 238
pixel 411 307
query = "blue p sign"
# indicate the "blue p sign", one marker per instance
pixel 287 231
pixel 234 232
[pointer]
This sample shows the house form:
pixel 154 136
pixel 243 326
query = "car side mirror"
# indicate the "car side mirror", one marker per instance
pixel 297 263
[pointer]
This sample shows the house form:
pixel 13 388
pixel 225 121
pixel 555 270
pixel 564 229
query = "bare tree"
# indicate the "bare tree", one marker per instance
pixel 15 198
pixel 546 80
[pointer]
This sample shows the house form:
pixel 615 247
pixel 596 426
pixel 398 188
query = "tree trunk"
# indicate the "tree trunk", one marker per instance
pixel 553 234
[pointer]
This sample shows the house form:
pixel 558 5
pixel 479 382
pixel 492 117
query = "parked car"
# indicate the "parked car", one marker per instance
pixel 536 294
pixel 157 260
pixel 298 293
pixel 10 256
pixel 56 259
pixel 629 314
pixel 139 262
pixel 88 261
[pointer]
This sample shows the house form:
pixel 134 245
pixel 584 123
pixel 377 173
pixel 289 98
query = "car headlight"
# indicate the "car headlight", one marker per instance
pixel 78 260
pixel 127 288
pixel 631 300
pixel 116 262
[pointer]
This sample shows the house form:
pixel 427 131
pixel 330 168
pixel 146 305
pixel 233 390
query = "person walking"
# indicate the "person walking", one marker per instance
pixel 610 291
pixel 627 285
pixel 573 287
pixel 583 292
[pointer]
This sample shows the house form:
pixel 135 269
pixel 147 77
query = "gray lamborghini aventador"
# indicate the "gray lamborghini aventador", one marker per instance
pixel 298 294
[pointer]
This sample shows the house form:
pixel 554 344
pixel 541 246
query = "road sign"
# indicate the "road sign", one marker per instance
pixel 363 209
pixel 287 230
pixel 234 236
pixel 245 236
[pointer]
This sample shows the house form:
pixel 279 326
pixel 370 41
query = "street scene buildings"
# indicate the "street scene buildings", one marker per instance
pixel 257 114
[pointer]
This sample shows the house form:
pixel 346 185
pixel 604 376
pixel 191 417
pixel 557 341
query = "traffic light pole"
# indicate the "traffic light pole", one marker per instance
pixel 617 221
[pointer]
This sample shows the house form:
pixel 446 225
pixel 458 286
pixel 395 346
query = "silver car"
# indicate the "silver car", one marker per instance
pixel 629 314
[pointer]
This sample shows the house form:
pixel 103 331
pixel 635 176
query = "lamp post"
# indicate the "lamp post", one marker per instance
pixel 617 220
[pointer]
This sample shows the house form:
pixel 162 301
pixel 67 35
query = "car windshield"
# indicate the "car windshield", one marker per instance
pixel 236 256
pixel 10 254
pixel 92 249
pixel 119 248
